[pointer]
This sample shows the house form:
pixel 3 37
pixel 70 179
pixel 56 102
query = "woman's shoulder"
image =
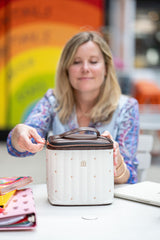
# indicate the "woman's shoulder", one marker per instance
pixel 126 101
pixel 50 96
pixel 128 108
pixel 49 93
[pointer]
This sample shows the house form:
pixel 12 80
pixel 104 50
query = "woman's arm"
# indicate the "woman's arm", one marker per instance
pixel 121 172
pixel 23 139
pixel 127 137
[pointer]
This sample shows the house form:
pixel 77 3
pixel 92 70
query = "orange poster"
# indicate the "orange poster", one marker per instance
pixel 32 35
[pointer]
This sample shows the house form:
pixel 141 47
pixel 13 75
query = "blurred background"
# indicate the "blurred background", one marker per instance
pixel 33 33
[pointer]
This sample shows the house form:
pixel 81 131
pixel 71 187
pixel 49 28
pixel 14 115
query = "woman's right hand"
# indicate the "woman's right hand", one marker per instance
pixel 21 139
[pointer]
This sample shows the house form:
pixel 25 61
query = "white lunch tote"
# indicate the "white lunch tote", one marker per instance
pixel 80 168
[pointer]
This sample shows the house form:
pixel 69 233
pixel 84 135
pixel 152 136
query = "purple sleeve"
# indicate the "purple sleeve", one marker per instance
pixel 40 118
pixel 127 137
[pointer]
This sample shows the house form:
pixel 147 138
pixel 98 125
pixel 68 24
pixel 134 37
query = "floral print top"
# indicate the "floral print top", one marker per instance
pixel 124 127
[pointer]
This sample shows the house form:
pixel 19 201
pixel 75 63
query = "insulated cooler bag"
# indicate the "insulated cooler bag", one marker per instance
pixel 80 168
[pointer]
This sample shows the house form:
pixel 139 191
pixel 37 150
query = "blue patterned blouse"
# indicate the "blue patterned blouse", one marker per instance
pixel 124 127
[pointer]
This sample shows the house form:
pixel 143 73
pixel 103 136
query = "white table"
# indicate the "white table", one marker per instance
pixel 122 220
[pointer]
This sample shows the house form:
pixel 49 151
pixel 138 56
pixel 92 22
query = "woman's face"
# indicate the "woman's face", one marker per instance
pixel 88 70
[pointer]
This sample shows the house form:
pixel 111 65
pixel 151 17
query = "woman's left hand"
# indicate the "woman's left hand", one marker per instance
pixel 121 172
pixel 117 157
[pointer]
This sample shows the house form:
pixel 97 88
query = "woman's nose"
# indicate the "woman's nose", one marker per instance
pixel 85 67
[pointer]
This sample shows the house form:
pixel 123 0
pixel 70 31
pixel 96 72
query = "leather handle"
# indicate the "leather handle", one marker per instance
pixel 76 130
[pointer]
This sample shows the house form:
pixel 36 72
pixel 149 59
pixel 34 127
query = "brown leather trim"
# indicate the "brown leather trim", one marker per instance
pixel 78 147
pixel 72 141
pixel 77 130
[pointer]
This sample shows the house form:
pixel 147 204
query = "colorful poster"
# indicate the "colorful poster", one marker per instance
pixel 32 35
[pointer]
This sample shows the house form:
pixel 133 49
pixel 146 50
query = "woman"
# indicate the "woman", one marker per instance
pixel 87 93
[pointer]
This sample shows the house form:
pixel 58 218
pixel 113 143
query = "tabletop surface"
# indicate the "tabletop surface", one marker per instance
pixel 121 220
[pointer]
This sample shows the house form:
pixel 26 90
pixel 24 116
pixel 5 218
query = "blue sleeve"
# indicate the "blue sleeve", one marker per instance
pixel 40 118
pixel 127 137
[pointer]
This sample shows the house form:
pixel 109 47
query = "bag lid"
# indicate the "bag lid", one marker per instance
pixel 70 140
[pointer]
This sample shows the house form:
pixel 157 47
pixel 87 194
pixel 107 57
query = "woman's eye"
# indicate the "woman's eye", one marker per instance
pixel 93 62
pixel 76 62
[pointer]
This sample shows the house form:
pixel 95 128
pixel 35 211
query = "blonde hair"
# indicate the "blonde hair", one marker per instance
pixel 110 91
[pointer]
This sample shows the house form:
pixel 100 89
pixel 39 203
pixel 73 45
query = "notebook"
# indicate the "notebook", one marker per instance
pixel 20 212
pixel 8 184
pixel 144 192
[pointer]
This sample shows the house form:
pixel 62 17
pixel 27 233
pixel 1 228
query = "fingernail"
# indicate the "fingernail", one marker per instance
pixel 41 142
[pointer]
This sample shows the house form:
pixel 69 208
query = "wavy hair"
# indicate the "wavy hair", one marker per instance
pixel 110 90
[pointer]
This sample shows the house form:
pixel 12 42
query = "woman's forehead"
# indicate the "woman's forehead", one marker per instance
pixel 89 47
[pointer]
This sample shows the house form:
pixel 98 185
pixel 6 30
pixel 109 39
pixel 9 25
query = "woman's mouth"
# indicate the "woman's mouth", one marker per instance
pixel 84 78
